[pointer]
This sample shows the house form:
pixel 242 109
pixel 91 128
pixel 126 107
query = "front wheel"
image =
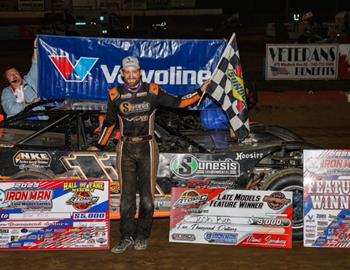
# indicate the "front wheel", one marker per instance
pixel 290 180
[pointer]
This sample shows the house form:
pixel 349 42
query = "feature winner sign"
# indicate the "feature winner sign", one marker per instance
pixel 53 215
pixel 231 217
pixel 301 61
pixel 327 198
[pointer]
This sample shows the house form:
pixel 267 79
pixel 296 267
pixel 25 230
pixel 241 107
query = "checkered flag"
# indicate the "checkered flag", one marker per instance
pixel 227 88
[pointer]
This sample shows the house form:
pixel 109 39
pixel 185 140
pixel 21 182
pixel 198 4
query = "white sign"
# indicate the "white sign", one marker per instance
pixel 231 217
pixel 301 61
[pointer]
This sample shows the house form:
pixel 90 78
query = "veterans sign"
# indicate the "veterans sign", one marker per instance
pixel 301 61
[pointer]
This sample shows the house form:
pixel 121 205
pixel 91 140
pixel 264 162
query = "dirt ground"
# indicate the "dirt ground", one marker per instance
pixel 326 124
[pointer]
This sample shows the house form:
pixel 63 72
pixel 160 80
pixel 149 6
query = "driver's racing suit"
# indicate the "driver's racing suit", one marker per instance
pixel 137 151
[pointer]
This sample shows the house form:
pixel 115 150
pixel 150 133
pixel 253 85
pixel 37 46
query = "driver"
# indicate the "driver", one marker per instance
pixel 133 105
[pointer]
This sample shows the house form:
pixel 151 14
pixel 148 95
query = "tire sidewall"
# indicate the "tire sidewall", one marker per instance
pixel 289 180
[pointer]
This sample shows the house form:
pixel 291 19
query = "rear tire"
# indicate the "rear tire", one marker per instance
pixel 32 174
pixel 290 180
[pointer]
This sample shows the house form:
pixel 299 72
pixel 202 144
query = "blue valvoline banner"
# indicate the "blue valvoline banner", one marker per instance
pixel 86 68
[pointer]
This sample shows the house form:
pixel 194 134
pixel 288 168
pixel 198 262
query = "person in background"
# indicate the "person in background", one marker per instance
pixel 22 90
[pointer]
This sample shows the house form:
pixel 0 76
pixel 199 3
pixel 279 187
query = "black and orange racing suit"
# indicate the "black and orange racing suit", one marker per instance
pixel 137 151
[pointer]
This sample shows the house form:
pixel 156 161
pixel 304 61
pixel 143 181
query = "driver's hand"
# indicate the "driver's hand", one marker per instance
pixel 205 85
pixel 98 130
pixel 36 42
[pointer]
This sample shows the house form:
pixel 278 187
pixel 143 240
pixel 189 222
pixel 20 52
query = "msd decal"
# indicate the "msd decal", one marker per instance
pixel 70 73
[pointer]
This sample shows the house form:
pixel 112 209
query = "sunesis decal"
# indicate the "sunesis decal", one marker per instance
pixel 188 165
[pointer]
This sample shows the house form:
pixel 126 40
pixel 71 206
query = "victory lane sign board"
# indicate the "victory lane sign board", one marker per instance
pixel 54 215
pixel 327 198
pixel 231 217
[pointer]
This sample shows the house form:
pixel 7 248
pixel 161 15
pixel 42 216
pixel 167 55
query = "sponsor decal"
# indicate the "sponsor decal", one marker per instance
pixel 276 200
pixel 142 94
pixel 220 184
pixel 310 227
pixel 197 183
pixel 322 223
pixel 15 245
pixel 183 236
pixel 27 196
pixel 216 237
pixel 175 75
pixel 2 145
pixel 309 242
pixel 32 158
pixel 188 165
pixel 310 230
pixel 253 155
pixel 335 162
pixel 126 96
pixel 332 217
pixel 138 118
pixel 334 225
pixel 82 198
pixel 310 218
pixel 324 228
pixel 311 235
pixel 129 107
pixel 70 72
pixel 191 199
pixel 29 244
pixel 320 241
pixel 2 200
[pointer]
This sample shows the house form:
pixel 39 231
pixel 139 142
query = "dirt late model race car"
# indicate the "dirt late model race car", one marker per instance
pixel 55 148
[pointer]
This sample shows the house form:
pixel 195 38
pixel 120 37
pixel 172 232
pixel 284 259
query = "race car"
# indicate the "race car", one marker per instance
pixel 270 159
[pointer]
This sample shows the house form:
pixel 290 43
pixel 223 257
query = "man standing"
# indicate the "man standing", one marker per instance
pixel 22 91
pixel 134 105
